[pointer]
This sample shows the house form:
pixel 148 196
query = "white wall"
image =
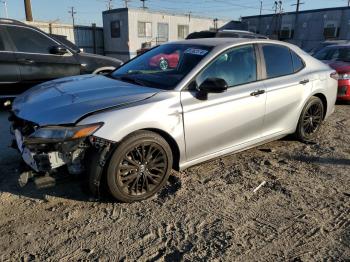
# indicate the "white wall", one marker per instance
pixel 58 29
pixel 126 46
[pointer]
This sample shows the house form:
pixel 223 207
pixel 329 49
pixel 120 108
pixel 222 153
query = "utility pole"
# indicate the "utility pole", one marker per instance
pixel 28 10
pixel 261 6
pixel 143 3
pixel 298 5
pixel 73 13
pixel 109 4
pixel 126 2
pixel 5 4
pixel 297 20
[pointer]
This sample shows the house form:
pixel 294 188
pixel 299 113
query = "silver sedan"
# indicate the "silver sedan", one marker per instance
pixel 175 106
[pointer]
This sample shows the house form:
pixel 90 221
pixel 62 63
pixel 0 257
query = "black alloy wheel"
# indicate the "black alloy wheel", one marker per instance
pixel 139 167
pixel 310 120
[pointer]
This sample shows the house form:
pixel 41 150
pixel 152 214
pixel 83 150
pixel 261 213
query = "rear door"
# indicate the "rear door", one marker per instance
pixel 9 70
pixel 285 84
pixel 36 63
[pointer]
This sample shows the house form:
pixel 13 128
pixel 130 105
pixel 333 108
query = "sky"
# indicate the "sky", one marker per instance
pixel 90 11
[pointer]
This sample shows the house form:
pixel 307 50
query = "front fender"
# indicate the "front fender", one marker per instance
pixel 162 112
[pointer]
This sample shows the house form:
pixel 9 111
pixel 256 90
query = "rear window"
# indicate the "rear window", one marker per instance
pixel 278 61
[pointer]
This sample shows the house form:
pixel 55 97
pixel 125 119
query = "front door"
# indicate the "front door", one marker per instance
pixel 226 120
pixel 36 62
pixel 9 70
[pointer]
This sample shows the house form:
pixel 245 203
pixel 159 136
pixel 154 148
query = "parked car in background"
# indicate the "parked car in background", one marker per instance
pixel 165 61
pixel 29 56
pixel 213 34
pixel 225 33
pixel 338 58
pixel 324 44
pixel 138 123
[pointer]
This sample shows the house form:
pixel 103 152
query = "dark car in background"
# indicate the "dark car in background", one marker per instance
pixel 29 56
pixel 324 44
pixel 338 58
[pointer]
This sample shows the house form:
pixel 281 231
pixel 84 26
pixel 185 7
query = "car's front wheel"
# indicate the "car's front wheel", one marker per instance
pixel 139 167
pixel 310 120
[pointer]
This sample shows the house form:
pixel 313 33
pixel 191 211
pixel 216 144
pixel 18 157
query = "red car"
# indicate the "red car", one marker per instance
pixel 343 70
pixel 338 57
pixel 165 61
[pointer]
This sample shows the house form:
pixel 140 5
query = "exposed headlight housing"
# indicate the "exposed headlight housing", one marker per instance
pixel 53 134
pixel 345 76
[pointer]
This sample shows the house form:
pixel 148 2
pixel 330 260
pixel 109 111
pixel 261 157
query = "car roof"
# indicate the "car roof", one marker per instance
pixel 8 21
pixel 338 46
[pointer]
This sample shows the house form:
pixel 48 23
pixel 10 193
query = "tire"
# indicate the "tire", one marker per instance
pixel 310 120
pixel 104 70
pixel 139 167
pixel 163 64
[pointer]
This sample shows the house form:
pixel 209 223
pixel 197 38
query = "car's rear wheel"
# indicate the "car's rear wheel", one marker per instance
pixel 310 120
pixel 139 167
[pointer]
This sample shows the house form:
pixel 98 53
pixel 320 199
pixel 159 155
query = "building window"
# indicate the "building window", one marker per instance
pixel 144 29
pixel 182 31
pixel 163 32
pixel 115 29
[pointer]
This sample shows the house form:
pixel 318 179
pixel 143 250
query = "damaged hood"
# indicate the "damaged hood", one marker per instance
pixel 66 100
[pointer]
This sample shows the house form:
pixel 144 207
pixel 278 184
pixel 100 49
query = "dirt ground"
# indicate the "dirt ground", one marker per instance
pixel 208 212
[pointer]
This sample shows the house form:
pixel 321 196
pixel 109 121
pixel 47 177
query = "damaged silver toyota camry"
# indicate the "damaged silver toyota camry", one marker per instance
pixel 175 106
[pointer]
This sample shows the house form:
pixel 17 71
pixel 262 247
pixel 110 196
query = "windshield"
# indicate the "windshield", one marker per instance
pixel 162 67
pixel 334 54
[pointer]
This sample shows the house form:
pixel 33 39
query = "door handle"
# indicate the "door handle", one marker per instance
pixel 26 61
pixel 304 82
pixel 258 92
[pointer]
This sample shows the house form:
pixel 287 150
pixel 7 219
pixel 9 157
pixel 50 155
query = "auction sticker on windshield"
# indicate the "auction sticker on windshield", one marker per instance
pixel 196 51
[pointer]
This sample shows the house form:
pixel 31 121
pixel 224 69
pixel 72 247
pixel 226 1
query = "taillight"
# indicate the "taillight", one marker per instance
pixel 344 76
pixel 334 75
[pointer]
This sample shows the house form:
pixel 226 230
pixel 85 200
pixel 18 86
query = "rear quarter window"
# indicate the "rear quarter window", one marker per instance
pixel 298 63
pixel 278 60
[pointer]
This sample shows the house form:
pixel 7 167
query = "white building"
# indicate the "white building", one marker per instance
pixel 126 29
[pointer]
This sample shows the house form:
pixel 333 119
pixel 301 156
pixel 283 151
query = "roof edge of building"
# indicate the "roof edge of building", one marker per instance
pixel 152 11
pixel 301 12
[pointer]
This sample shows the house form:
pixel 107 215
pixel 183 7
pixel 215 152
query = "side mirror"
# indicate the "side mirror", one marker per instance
pixel 213 85
pixel 58 50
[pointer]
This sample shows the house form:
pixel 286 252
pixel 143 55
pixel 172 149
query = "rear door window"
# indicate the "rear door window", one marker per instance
pixel 30 41
pixel 278 60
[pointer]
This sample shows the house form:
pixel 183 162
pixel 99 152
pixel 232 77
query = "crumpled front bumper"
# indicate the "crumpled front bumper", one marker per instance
pixel 45 157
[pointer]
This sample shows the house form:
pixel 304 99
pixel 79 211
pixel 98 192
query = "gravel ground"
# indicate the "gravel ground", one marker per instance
pixel 208 212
